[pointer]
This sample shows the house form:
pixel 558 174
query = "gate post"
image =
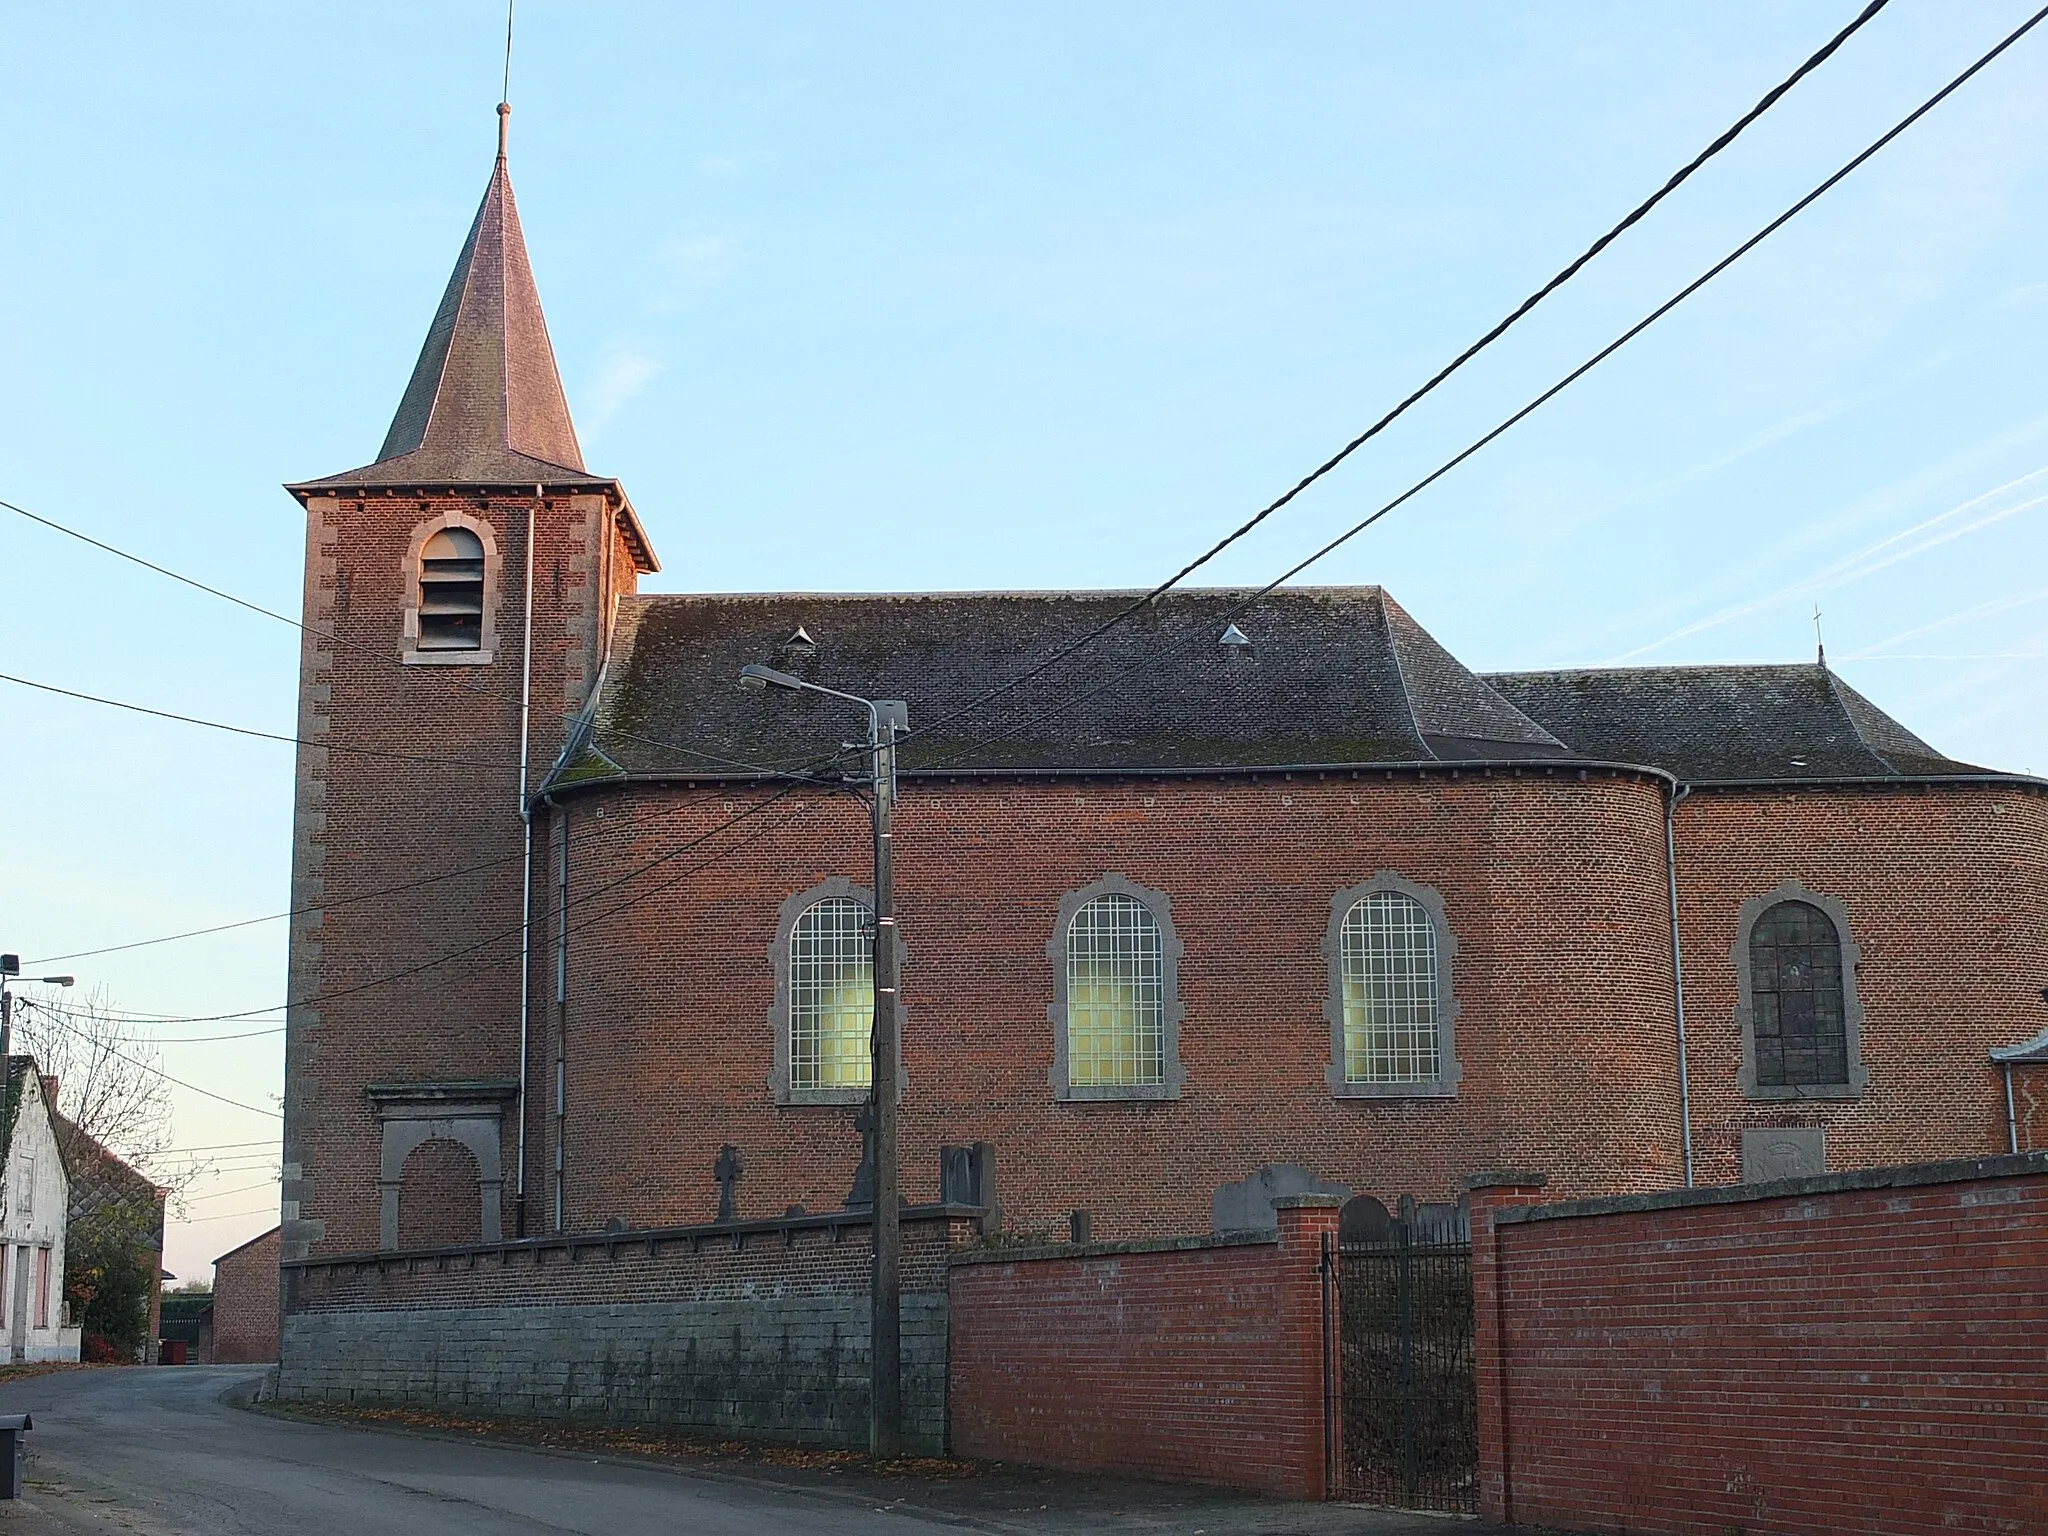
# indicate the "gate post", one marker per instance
pixel 1307 1224
pixel 1489 1193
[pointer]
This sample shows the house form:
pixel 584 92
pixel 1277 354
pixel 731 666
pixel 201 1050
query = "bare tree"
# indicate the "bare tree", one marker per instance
pixel 110 1087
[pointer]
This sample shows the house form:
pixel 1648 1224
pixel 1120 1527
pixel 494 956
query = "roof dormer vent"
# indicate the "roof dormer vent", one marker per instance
pixel 800 640
pixel 1235 639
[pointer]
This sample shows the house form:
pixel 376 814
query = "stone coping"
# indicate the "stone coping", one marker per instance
pixel 736 1232
pixel 997 1255
pixel 1906 1176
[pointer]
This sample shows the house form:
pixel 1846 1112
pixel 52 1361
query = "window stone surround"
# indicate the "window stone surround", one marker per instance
pixel 1745 1006
pixel 1172 1074
pixel 487 649
pixel 782 1075
pixel 1449 1070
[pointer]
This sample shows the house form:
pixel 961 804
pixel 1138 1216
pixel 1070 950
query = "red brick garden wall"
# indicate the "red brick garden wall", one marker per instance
pixel 1198 1361
pixel 1860 1352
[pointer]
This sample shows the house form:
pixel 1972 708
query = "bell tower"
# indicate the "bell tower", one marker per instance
pixel 459 594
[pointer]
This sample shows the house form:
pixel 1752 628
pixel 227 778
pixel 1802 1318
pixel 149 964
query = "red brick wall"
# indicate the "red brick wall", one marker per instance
pixel 440 1200
pixel 245 1303
pixel 1946 891
pixel 1856 1353
pixel 1201 1363
pixel 365 823
pixel 1553 886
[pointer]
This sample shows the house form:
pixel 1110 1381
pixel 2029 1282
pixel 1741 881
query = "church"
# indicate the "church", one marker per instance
pixel 585 936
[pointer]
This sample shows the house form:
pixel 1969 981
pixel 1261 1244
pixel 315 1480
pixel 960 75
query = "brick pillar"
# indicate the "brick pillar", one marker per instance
pixel 1489 1193
pixel 1308 1224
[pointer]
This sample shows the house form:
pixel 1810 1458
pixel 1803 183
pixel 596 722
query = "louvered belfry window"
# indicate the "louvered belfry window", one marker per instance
pixel 452 591
pixel 1116 996
pixel 832 995
pixel 1795 962
pixel 1389 979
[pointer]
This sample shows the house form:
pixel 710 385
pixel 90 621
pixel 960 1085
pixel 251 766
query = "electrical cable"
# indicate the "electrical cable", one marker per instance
pixel 270 917
pixel 1563 276
pixel 244 730
pixel 568 717
pixel 513 932
pixel 1151 662
pixel 145 1066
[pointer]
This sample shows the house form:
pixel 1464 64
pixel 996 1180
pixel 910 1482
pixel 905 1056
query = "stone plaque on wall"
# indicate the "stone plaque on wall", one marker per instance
pixel 1783 1154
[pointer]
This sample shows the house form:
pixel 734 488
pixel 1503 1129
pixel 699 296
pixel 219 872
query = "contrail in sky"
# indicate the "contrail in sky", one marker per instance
pixel 1943 528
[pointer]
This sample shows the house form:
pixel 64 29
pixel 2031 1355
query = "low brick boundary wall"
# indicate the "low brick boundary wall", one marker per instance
pixel 756 1329
pixel 1198 1358
pixel 1859 1352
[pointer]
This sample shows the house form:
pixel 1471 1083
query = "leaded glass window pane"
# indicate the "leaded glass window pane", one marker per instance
pixel 1116 995
pixel 1795 967
pixel 832 995
pixel 1390 991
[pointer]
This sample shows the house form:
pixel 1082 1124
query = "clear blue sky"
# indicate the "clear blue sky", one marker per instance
pixel 930 296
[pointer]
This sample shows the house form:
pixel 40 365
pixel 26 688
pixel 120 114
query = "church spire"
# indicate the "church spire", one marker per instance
pixel 485 403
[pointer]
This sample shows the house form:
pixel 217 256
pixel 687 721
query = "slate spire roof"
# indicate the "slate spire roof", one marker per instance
pixel 485 404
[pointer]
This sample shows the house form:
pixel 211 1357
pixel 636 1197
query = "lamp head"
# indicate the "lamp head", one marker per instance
pixel 58 981
pixel 754 675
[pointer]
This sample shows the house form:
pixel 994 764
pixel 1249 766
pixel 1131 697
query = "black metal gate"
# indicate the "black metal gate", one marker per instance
pixel 1409 1412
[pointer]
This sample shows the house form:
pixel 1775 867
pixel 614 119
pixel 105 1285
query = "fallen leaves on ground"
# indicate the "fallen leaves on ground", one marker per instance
pixel 658 1444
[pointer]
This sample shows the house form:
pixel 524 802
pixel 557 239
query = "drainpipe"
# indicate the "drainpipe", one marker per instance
pixel 526 865
pixel 1677 793
pixel 2012 1124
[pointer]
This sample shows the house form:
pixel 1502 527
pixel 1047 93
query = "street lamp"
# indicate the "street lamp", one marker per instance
pixel 10 970
pixel 885 718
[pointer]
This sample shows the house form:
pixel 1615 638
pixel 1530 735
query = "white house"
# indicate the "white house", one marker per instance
pixel 35 1196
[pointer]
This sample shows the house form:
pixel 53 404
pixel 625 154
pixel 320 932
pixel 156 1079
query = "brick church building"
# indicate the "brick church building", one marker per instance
pixel 1236 887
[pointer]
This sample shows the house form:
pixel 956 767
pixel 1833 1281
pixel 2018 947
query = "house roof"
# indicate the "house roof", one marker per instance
pixel 1711 724
pixel 243 1247
pixel 485 405
pixel 2026 1052
pixel 1331 675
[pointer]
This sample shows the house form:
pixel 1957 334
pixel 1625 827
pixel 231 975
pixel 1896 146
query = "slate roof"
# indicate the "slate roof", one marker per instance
pixel 1711 724
pixel 1333 675
pixel 485 406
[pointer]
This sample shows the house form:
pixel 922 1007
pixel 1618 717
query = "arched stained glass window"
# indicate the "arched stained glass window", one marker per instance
pixel 1116 995
pixel 1796 994
pixel 451 595
pixel 1388 978
pixel 832 995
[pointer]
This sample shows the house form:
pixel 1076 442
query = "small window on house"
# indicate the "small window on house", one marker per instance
pixel 1389 982
pixel 832 995
pixel 1116 996
pixel 452 591
pixel 28 1189
pixel 42 1288
pixel 1795 965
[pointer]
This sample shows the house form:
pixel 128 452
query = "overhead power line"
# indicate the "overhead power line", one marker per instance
pixel 513 932
pixel 466 684
pixel 1151 662
pixel 507 769
pixel 271 917
pixel 147 1066
pixel 1564 275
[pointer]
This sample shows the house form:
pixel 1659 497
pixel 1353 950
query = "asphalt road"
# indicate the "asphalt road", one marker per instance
pixel 159 1453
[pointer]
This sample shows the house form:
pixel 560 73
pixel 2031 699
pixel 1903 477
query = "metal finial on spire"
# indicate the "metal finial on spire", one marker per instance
pixel 505 90
pixel 1820 646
